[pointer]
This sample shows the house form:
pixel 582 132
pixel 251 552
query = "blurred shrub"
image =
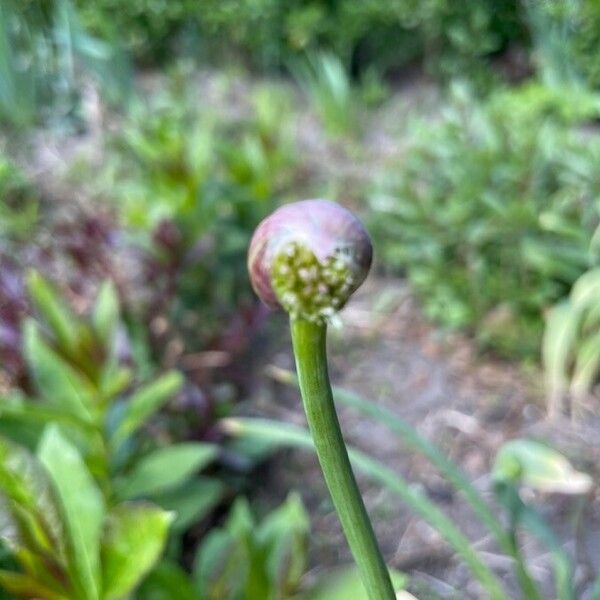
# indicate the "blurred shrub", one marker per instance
pixel 266 33
pixel 491 214
pixel 192 187
pixel 327 84
pixel 46 57
pixel 18 203
pixel 82 378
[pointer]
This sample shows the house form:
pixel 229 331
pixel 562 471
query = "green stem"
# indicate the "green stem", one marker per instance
pixel 311 363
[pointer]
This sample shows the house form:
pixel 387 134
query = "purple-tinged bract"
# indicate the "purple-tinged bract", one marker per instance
pixel 308 258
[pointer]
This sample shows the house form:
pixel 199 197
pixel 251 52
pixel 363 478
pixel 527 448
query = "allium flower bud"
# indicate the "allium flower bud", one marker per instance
pixel 308 258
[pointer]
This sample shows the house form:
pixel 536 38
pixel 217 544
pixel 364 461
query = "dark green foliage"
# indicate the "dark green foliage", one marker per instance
pixel 267 33
pixel 44 53
pixel 18 203
pixel 491 214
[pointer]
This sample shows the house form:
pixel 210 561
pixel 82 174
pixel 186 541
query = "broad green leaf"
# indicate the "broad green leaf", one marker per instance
pixel 133 541
pixel 55 380
pixel 168 581
pixel 83 508
pixel 144 403
pixel 284 537
pixel 30 504
pixel 61 321
pixel 192 502
pixel 23 586
pixel 540 467
pixel 220 567
pixel 345 584
pixel 106 313
pixel 166 468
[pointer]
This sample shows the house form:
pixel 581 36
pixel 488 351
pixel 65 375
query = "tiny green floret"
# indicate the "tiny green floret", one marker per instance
pixel 308 289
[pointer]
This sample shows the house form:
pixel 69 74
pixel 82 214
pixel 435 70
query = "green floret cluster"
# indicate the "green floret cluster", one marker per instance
pixel 307 288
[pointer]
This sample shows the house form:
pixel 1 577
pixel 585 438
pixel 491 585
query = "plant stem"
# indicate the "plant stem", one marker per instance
pixel 311 363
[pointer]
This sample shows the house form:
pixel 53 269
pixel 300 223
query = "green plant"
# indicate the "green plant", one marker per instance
pixel 69 543
pixel 491 215
pixel 191 186
pixel 42 48
pixel 84 384
pixel 519 462
pixel 308 258
pixel 327 84
pixel 571 345
pixel 18 203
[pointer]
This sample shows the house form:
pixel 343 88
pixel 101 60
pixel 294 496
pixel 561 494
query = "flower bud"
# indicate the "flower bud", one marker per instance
pixel 308 258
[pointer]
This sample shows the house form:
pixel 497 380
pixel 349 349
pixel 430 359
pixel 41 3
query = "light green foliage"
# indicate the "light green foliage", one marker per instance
pixel 254 561
pixel 43 48
pixel 571 344
pixel 212 178
pixel 540 467
pixel 167 468
pixel 326 82
pixel 69 543
pixel 19 203
pixel 491 213
pixel 88 423
pixel 82 508
pixel 133 542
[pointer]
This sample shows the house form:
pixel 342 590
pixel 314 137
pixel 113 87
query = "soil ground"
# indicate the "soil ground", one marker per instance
pixel 466 403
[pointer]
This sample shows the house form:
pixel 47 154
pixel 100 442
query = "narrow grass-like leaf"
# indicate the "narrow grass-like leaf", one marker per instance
pixel 289 435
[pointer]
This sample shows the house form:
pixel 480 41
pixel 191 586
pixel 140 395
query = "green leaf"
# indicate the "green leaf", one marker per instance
pixel 62 322
pixel 540 467
pixel 54 379
pixel 166 468
pixel 286 435
pixel 168 581
pixel 144 403
pixel 345 584
pixel 192 502
pixel 83 508
pixel 106 313
pixel 30 506
pixel 134 539
pixel 220 567
pixel 283 535
pixel 24 586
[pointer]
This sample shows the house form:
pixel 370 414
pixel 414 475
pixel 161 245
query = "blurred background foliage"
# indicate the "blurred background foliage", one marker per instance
pixel 141 143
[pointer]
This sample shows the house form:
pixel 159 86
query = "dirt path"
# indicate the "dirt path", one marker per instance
pixel 467 404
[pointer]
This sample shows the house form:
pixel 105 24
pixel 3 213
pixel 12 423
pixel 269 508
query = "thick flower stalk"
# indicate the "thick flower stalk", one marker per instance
pixel 308 258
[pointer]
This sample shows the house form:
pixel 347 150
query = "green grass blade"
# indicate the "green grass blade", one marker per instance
pixel 409 436
pixel 289 435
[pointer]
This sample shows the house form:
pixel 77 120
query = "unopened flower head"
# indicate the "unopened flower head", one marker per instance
pixel 308 258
